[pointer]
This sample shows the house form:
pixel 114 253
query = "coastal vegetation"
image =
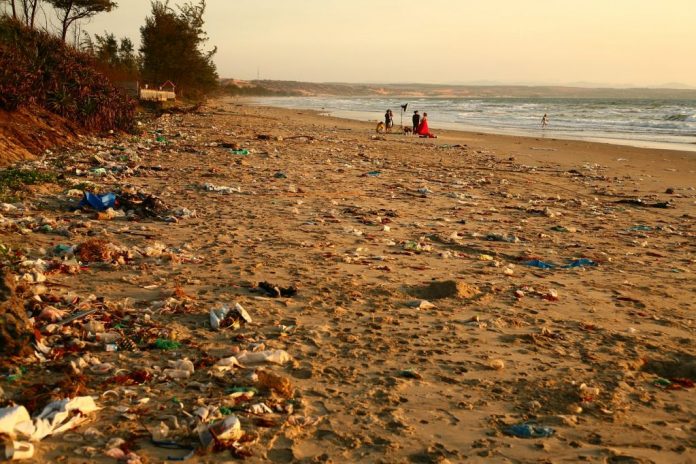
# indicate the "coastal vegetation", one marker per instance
pixel 37 68
pixel 54 76
pixel 172 49
pixel 15 179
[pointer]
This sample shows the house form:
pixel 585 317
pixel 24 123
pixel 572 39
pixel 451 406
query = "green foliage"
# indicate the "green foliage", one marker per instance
pixel 12 180
pixel 115 59
pixel 171 49
pixel 37 68
pixel 126 56
pixel 71 11
pixel 107 49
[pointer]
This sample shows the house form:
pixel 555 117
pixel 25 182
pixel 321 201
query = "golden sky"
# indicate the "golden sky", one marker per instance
pixel 601 42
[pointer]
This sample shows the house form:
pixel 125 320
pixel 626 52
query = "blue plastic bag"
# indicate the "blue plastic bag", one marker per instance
pixel 98 202
pixel 539 264
pixel 580 263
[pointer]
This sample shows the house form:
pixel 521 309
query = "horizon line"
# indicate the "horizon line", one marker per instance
pixel 590 86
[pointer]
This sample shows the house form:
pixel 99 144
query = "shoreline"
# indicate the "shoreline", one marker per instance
pixel 365 116
pixel 660 167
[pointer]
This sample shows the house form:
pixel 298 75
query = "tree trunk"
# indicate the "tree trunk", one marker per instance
pixel 14 9
pixel 34 7
pixel 64 29
pixel 25 11
pixel 66 21
pixel 16 332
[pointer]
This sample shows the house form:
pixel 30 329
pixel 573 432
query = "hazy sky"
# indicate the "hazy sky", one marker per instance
pixel 632 42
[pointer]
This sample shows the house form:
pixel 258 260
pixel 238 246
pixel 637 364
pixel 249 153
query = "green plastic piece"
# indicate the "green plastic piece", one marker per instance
pixel 162 344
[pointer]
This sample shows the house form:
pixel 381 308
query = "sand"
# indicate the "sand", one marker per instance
pixel 418 333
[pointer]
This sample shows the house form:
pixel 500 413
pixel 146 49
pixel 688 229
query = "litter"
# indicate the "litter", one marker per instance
pixel 276 291
pixel 226 364
pixel 502 238
pixel 180 369
pixel 527 430
pixel 640 203
pixel 580 263
pixel 410 374
pixel 227 429
pixel 267 356
pixel 162 344
pixel 16 450
pixel 98 202
pixel 174 446
pixel 56 417
pixel 221 188
pixel 640 228
pixel 421 304
pixel 540 264
pixel 226 317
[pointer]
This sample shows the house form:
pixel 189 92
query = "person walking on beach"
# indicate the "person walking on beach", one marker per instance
pixel 416 121
pixel 544 121
pixel 388 120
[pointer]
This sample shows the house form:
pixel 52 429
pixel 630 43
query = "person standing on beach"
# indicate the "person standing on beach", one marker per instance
pixel 424 129
pixel 544 121
pixel 416 121
pixel 388 120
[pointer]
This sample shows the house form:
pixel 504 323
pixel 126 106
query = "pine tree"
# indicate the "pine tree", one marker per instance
pixel 71 11
pixel 171 49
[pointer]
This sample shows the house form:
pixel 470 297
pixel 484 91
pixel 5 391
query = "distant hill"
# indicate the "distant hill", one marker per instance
pixel 269 87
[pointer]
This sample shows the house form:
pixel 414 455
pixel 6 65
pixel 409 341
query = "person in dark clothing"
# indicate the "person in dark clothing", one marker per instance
pixel 416 121
pixel 388 120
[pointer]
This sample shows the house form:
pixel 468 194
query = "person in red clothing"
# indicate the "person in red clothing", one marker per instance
pixel 423 129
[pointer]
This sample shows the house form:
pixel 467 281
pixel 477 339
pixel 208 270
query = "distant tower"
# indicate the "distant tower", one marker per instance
pixel 258 73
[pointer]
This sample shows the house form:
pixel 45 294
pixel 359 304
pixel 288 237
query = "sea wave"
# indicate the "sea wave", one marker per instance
pixel 680 117
pixel 657 120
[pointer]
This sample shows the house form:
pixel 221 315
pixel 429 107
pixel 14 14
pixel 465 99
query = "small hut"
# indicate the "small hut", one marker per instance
pixel 166 92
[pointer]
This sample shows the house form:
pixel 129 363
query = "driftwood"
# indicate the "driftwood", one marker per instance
pixel 16 332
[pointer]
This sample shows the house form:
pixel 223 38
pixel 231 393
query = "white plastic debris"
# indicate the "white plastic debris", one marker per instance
pixel 221 188
pixel 227 429
pixel 267 356
pixel 180 369
pixel 217 315
pixel 260 408
pixel 421 304
pixel 242 313
pixel 16 451
pixel 11 417
pixel 57 417
pixel 227 364
pixel 60 416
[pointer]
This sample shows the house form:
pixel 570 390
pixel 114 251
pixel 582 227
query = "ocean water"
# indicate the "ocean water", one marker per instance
pixel 667 124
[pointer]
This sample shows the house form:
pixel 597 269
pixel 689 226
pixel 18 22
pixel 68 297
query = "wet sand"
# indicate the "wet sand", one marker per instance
pixel 392 368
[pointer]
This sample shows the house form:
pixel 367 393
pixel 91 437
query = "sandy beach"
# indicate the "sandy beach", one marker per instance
pixel 446 290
